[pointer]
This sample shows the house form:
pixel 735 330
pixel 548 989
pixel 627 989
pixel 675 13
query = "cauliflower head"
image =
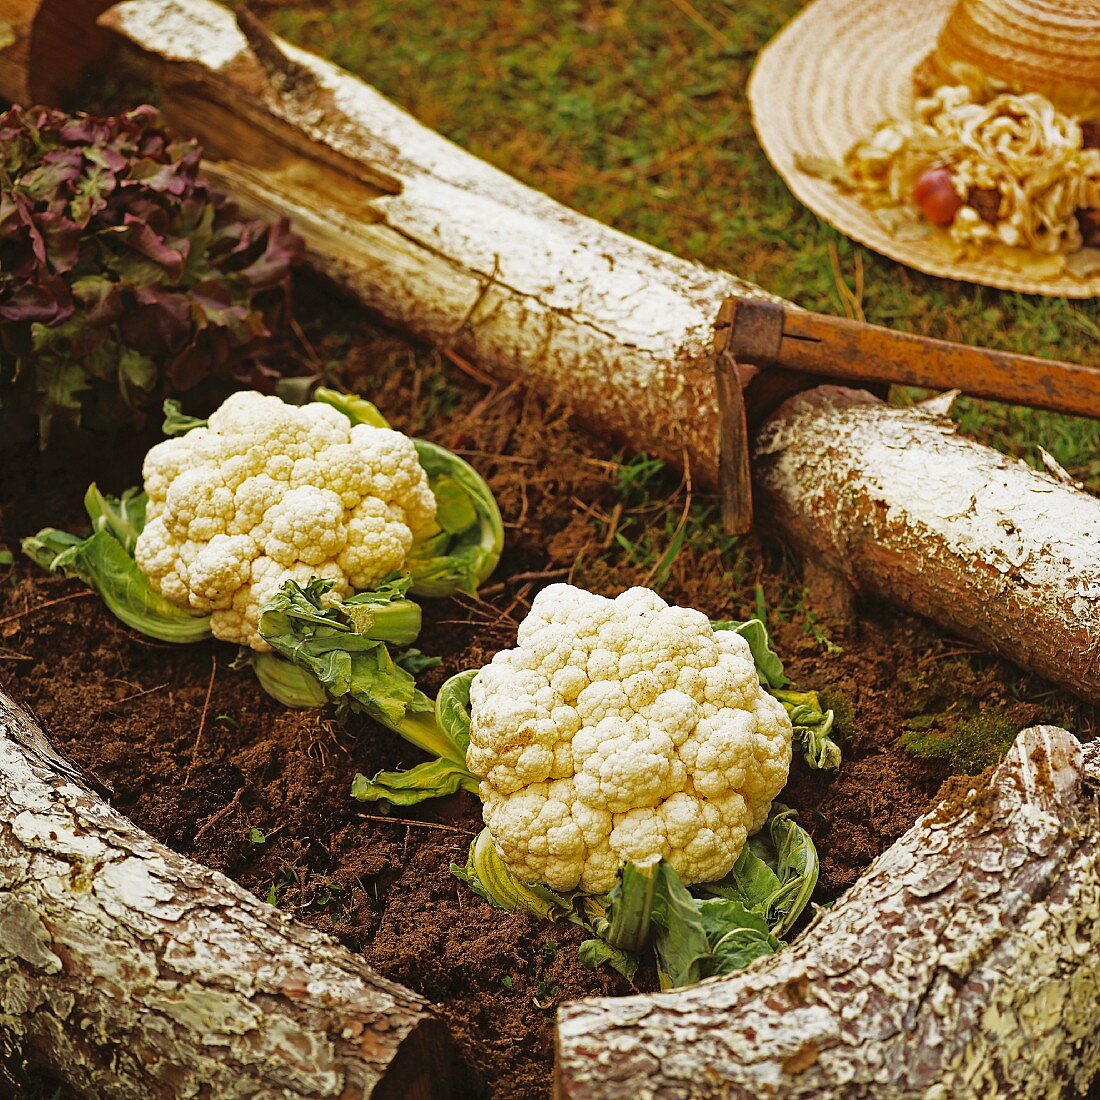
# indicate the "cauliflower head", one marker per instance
pixel 620 730
pixel 271 492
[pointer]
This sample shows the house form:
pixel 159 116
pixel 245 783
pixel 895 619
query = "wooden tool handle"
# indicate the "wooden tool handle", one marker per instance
pixel 839 348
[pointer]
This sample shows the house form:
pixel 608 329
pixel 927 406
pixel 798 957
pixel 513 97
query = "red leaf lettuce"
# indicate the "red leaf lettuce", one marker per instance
pixel 123 277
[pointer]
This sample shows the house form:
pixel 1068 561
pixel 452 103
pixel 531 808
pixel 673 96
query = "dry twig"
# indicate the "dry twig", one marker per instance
pixel 135 695
pixel 211 821
pixel 42 606
pixel 417 824
pixel 468 368
pixel 202 719
pixel 701 21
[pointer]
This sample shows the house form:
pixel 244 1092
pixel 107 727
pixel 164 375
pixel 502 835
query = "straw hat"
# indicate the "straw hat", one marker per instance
pixel 1050 46
pixel 841 67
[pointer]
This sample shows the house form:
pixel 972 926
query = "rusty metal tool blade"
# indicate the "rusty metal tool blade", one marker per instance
pixel 734 475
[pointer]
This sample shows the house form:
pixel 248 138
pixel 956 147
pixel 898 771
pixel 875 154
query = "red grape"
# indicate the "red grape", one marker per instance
pixel 936 196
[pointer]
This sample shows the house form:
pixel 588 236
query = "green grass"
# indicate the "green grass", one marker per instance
pixel 971 745
pixel 657 519
pixel 635 113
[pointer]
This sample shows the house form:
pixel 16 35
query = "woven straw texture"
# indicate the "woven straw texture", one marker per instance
pixel 1034 44
pixel 824 82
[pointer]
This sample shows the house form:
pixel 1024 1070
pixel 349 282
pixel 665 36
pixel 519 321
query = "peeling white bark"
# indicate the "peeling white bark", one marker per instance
pixel 965 963
pixel 138 974
pixel 902 507
pixel 459 253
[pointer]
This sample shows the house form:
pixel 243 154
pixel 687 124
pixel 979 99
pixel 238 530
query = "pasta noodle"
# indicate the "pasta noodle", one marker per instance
pixel 1022 169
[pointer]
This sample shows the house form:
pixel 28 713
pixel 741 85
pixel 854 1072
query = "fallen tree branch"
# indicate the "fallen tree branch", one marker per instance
pixel 900 506
pixel 964 963
pixel 137 973
pixel 439 242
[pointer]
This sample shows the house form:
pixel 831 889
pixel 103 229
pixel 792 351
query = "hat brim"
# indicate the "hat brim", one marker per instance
pixel 823 83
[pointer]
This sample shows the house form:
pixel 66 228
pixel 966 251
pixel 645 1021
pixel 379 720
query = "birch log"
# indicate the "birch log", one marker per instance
pixel 965 963
pixel 899 505
pixel 137 974
pixel 46 45
pixel 441 243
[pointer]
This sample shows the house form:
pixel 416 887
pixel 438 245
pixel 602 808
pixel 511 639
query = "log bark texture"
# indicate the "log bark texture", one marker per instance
pixel 46 45
pixel 138 974
pixel 441 243
pixel 965 963
pixel 899 505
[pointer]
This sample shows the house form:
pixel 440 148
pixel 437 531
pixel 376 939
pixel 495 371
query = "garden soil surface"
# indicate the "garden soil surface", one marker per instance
pixel 197 755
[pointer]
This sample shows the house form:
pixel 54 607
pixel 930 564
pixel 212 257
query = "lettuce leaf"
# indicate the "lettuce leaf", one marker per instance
pixel 104 561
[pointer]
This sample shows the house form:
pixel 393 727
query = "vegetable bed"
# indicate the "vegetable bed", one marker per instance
pixel 199 756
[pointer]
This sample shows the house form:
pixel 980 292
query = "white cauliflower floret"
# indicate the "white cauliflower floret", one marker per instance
pixel 377 537
pixel 271 492
pixel 218 571
pixel 622 730
pixel 307 525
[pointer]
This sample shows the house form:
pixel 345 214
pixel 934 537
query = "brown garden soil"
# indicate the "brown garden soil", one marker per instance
pixel 197 754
